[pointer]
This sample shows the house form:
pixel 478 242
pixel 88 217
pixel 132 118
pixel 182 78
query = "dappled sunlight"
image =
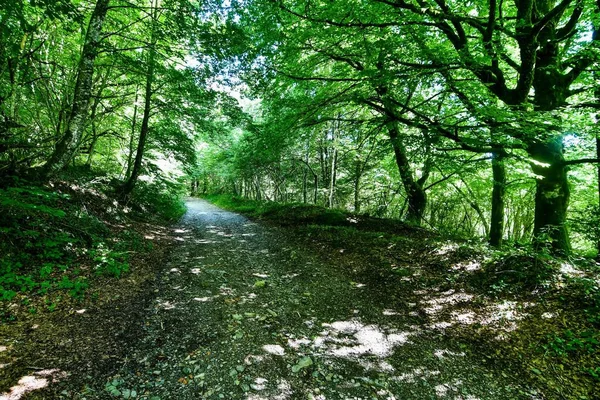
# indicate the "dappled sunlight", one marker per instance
pixel 453 388
pixel 352 339
pixel 259 384
pixel 297 343
pixel 416 374
pixel 468 266
pixel 165 305
pixel 570 270
pixel 3 348
pixel 204 241
pixel 29 383
pixel 451 308
pixel 439 302
pixel 274 349
pixel 253 359
pixel 444 353
pixel 226 291
pixel 446 248
pixel 204 299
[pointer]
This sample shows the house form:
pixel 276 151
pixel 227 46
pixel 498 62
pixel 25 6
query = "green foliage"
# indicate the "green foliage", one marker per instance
pixel 585 293
pixel 75 287
pixel 161 198
pixel 286 214
pixel 46 235
pixel 567 342
pixel 109 262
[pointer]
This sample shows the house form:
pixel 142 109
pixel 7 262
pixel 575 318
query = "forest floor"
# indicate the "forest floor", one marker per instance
pixel 246 310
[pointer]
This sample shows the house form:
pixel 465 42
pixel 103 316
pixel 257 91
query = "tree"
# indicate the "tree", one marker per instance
pixel 71 139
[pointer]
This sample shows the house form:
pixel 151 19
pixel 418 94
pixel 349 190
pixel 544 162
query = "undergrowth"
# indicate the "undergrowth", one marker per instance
pixel 56 240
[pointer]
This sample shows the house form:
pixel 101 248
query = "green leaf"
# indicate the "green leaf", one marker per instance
pixel 260 284
pixel 304 362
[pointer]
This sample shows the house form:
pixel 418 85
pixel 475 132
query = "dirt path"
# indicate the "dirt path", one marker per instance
pixel 244 311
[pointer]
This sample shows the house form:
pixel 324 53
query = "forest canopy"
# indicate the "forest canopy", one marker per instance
pixel 476 119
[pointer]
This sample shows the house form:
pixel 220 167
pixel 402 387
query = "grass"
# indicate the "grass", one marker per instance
pixel 284 214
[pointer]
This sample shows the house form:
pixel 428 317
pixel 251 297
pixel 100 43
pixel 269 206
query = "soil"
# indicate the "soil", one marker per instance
pixel 237 309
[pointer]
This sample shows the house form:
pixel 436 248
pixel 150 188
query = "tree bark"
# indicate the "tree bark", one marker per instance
pixel 417 198
pixel 132 137
pixel 551 197
pixel 332 181
pixel 67 146
pixel 498 191
pixel 357 177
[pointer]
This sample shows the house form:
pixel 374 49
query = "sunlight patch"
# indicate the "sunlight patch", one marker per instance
pixel 570 270
pixel 352 339
pixel 296 343
pixel 165 305
pixel 274 349
pixel 467 266
pixel 420 373
pixel 253 359
pixel 30 383
pixel 443 353
pixel 445 249
pixel 259 384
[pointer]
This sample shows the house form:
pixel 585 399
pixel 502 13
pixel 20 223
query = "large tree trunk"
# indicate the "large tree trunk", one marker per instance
pixel 498 191
pixel 67 146
pixel 552 195
pixel 417 198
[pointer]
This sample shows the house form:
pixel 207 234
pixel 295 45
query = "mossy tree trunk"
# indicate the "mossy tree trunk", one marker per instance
pixel 498 191
pixel 69 143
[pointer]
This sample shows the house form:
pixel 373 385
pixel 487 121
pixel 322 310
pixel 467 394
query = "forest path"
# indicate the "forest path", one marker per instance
pixel 246 311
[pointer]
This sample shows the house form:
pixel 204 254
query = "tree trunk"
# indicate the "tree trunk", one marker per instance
pixel 598 170
pixel 137 165
pixel 67 146
pixel 551 197
pixel 498 191
pixel 357 177
pixel 332 182
pixel 417 198
pixel 132 137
